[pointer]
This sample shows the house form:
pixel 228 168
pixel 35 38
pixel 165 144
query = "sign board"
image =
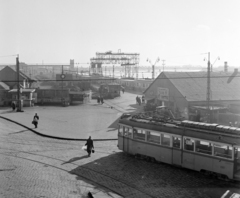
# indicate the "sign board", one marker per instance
pixel 163 94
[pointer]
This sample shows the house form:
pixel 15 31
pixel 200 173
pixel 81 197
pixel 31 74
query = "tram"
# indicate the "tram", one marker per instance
pixel 209 148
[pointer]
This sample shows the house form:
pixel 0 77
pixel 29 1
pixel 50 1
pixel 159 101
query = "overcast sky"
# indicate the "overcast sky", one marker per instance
pixel 178 31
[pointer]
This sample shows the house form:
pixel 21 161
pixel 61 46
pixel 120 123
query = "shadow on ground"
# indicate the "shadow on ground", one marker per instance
pixel 75 159
pixel 120 171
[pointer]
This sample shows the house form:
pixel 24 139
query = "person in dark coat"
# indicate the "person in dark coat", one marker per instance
pixel 123 90
pixel 13 106
pixel 98 99
pixel 35 120
pixel 101 99
pixel 89 145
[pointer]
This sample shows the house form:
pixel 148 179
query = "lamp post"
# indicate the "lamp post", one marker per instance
pixel 153 66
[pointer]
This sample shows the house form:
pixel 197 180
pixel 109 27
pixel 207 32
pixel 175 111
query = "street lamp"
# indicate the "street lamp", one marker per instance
pixel 218 58
pixel 153 66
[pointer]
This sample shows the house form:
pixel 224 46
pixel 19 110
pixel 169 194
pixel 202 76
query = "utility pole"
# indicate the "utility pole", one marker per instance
pixel 208 89
pixel 163 64
pixel 19 109
pixel 153 66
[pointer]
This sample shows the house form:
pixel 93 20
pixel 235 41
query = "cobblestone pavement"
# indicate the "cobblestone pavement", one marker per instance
pixel 35 166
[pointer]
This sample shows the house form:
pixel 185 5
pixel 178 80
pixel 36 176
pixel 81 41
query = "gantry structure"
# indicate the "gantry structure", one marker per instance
pixel 129 61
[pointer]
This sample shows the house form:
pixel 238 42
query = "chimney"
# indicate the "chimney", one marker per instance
pixel 225 66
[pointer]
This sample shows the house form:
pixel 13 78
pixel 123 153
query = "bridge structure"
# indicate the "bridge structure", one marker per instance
pixel 130 62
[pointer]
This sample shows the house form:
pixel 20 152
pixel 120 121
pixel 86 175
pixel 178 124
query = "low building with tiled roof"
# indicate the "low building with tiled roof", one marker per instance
pixel 8 75
pixel 182 91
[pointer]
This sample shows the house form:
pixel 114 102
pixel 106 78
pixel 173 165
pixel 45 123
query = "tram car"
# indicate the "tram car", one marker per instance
pixel 209 148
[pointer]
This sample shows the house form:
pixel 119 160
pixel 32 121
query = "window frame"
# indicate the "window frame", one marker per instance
pixel 177 136
pixel 145 132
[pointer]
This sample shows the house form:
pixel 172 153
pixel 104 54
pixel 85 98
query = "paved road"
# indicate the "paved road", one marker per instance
pixel 78 121
pixel 36 166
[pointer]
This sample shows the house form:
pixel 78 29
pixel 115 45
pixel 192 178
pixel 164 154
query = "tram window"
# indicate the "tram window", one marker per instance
pixel 138 134
pixel 120 130
pixel 129 132
pixel 176 142
pixel 166 140
pixel 153 137
pixel 223 151
pixel 203 147
pixel 188 144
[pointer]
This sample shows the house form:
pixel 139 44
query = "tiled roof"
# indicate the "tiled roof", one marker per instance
pixel 193 85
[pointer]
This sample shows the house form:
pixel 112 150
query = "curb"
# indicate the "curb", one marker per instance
pixel 53 137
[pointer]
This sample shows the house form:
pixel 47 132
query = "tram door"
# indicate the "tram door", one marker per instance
pixel 177 151
pixel 237 161
pixel 126 134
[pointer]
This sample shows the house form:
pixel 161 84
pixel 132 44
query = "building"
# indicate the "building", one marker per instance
pixel 8 78
pixel 185 93
pixel 8 75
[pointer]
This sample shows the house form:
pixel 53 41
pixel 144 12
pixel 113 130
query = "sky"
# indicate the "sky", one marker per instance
pixel 181 32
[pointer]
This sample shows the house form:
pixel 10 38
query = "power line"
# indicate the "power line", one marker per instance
pixel 98 79
pixel 9 55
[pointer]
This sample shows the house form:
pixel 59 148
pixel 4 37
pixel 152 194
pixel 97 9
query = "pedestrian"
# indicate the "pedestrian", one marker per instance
pixel 143 99
pixel 101 99
pixel 137 101
pixel 89 145
pixel 98 99
pixel 123 90
pixel 13 106
pixel 35 120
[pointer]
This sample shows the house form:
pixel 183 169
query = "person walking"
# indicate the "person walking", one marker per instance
pixel 101 99
pixel 123 90
pixel 13 106
pixel 89 145
pixel 98 99
pixel 137 100
pixel 35 120
pixel 143 99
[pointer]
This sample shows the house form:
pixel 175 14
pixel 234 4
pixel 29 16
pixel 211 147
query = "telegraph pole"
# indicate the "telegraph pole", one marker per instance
pixel 208 89
pixel 19 109
pixel 163 64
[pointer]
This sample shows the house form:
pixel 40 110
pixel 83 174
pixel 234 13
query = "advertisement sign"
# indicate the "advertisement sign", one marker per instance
pixel 163 94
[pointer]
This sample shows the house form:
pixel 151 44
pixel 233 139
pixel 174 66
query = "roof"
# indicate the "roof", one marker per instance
pixel 193 85
pixel 23 90
pixel 22 74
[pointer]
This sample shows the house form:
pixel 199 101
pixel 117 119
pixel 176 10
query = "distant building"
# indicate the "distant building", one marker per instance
pixel 185 93
pixel 9 83
pixel 8 75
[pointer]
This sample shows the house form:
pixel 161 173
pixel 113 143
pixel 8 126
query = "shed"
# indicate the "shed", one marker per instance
pixel 181 91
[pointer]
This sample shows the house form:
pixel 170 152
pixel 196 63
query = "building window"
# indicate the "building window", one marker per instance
pixel 139 134
pixel 176 142
pixel 188 144
pixel 203 147
pixel 223 151
pixel 153 137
